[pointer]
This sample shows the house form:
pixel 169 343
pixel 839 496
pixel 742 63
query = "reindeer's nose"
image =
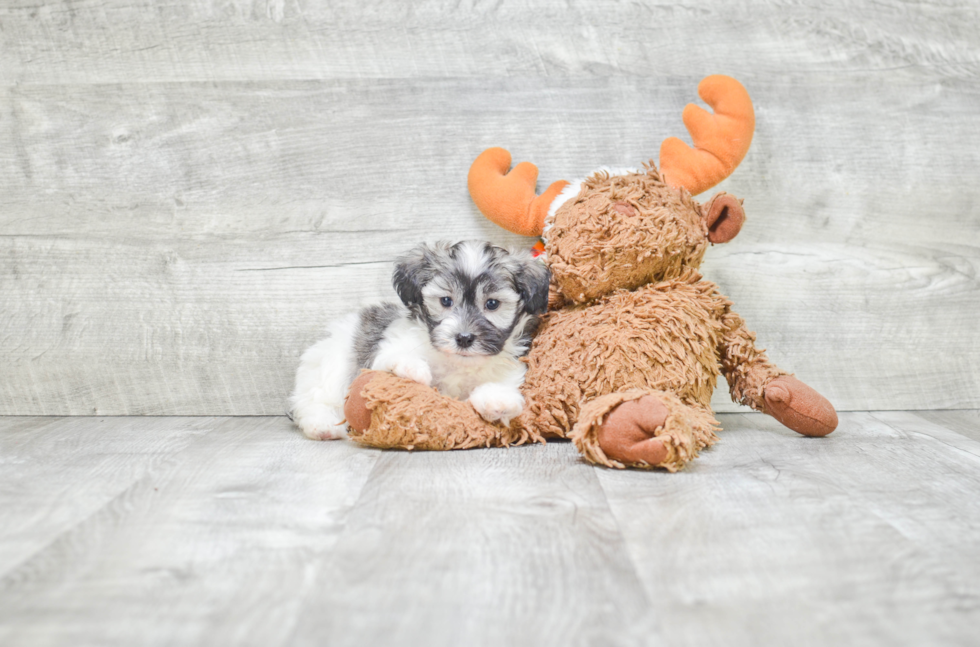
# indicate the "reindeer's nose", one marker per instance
pixel 625 209
pixel 465 339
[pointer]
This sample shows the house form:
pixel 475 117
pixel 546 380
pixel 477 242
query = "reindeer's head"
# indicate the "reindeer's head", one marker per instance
pixel 623 230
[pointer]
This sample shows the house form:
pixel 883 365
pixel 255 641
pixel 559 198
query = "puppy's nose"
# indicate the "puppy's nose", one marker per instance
pixel 465 339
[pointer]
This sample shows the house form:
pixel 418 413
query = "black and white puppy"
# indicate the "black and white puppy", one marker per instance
pixel 467 314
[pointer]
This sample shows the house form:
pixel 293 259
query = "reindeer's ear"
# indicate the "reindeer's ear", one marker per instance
pixel 724 217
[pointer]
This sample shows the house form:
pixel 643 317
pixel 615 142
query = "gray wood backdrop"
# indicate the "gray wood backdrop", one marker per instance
pixel 189 191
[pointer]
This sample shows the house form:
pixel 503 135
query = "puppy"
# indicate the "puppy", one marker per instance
pixel 467 314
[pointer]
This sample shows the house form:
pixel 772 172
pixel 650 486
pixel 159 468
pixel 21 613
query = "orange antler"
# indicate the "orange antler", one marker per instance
pixel 721 139
pixel 508 199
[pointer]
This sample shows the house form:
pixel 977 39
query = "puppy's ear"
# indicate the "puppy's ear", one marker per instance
pixel 532 277
pixel 412 271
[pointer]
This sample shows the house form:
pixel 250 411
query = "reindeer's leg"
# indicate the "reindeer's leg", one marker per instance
pixel 760 384
pixel 643 429
pixel 387 411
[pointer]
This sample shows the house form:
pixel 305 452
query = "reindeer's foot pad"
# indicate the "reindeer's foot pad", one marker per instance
pixel 387 411
pixel 628 434
pixel 800 407
pixel 642 429
pixel 356 408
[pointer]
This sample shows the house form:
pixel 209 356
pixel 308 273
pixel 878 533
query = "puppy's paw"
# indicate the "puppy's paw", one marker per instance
pixel 322 424
pixel 496 402
pixel 414 369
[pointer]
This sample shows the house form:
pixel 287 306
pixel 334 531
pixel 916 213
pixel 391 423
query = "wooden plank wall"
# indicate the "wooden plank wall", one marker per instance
pixel 189 191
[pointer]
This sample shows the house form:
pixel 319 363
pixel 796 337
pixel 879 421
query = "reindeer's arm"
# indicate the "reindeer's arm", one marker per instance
pixel 755 381
pixel 745 367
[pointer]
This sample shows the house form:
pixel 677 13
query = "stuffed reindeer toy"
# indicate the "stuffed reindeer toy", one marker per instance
pixel 627 357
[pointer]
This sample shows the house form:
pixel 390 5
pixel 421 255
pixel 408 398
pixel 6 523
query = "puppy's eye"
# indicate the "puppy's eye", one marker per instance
pixel 492 304
pixel 446 302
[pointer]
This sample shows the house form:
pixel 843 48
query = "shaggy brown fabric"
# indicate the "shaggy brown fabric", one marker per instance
pixel 663 337
pixel 686 430
pixel 409 415
pixel 745 367
pixel 590 251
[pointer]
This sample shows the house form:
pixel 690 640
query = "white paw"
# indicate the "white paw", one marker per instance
pixel 414 369
pixel 323 424
pixel 496 402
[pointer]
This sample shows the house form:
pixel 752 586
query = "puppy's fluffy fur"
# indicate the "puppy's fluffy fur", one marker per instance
pixel 467 314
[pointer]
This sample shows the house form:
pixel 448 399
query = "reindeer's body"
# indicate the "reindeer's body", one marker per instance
pixel 661 337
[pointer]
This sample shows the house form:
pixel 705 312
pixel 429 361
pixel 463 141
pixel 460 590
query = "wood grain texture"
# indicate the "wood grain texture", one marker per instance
pixel 865 537
pixel 238 531
pixel 966 422
pixel 205 538
pixel 492 547
pixel 106 41
pixel 58 472
pixel 189 193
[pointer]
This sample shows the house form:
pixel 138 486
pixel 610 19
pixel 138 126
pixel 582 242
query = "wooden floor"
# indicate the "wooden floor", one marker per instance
pixel 227 531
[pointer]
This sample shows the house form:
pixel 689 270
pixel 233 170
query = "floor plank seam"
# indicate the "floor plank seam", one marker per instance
pixel 923 434
pixel 622 535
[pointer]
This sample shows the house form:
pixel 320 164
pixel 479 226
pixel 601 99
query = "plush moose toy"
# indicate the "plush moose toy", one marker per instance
pixel 627 357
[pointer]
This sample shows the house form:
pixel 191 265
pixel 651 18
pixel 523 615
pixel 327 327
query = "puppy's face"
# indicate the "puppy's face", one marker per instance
pixel 476 299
